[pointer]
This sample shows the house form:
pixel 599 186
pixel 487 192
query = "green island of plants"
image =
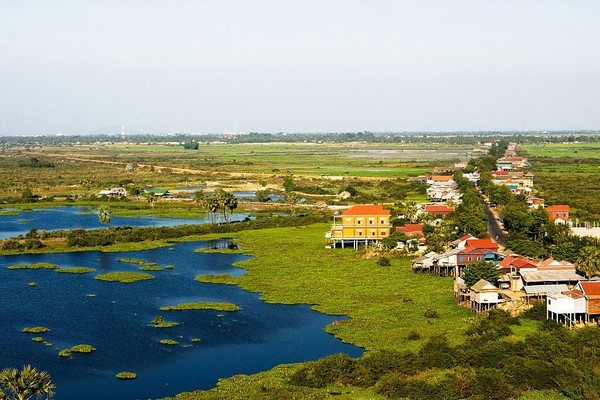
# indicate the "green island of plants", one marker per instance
pixel 136 261
pixel 151 267
pixel 205 305
pixel 37 339
pixel 159 322
pixel 32 284
pixel 126 375
pixel 169 342
pixel 75 270
pixel 80 348
pixel 36 329
pixel 196 340
pixel 42 265
pixel 124 277
pixel 224 279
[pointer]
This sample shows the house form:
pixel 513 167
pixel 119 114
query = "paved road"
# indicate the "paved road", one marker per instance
pixel 494 227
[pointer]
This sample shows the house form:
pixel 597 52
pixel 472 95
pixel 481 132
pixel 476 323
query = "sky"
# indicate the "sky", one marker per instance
pixel 221 66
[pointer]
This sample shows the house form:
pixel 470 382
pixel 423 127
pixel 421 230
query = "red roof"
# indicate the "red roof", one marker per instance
pixel 434 208
pixel 411 229
pixel 440 178
pixel 499 173
pixel 481 244
pixel 559 207
pixel 367 209
pixel 591 288
pixel 467 237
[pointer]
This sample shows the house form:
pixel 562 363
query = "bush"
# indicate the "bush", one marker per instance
pixel 431 314
pixel 383 262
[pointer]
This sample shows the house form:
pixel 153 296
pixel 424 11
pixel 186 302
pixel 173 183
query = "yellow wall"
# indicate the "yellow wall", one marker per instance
pixel 364 226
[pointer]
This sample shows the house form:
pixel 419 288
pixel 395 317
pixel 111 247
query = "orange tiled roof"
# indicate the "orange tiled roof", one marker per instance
pixel 481 244
pixel 435 208
pixel 591 288
pixel 441 178
pixel 367 209
pixel 559 207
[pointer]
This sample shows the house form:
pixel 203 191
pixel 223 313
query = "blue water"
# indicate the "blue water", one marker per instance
pixel 56 218
pixel 117 323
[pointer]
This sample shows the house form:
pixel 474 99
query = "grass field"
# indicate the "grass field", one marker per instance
pixel 558 150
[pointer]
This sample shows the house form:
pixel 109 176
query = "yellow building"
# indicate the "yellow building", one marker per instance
pixel 360 224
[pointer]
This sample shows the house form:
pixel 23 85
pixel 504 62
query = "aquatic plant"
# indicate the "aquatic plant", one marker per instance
pixel 159 322
pixel 37 339
pixel 42 265
pixel 224 279
pixel 124 277
pixel 196 340
pixel 64 353
pixel 205 305
pixel 82 348
pixel 75 270
pixel 151 267
pixel 126 375
pixel 169 342
pixel 36 329
pixel 33 284
pixel 170 266
pixel 91 295
pixel 137 261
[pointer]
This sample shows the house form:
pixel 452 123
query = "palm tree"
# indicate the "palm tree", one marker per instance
pixel 589 261
pixel 104 215
pixel 25 384
pixel 151 198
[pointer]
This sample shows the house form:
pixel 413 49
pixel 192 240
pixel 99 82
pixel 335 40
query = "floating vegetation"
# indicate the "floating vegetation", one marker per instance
pixel 224 279
pixel 75 270
pixel 36 329
pixel 126 375
pixel 169 342
pixel 91 295
pixel 196 340
pixel 47 344
pixel 32 284
pixel 37 339
pixel 80 348
pixel 151 267
pixel 159 322
pixel 136 261
pixel 205 305
pixel 42 265
pixel 170 266
pixel 124 277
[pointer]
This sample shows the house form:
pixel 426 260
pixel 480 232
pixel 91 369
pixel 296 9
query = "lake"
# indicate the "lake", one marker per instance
pixel 117 322
pixel 65 217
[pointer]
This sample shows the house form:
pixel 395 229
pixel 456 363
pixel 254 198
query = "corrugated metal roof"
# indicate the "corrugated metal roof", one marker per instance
pixel 538 289
pixel 550 276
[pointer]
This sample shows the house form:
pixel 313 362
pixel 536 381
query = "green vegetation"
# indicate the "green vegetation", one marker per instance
pixel 206 305
pixel 25 384
pixel 151 267
pixel 124 277
pixel 488 271
pixel 32 284
pixel 169 342
pixel 126 375
pixel 136 261
pixel 225 279
pixel 159 322
pixel 196 340
pixel 36 329
pixel 37 339
pixel 75 270
pixel 42 265
pixel 80 348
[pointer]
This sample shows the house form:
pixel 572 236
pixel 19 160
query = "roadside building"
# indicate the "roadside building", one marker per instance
pixel 559 213
pixel 484 296
pixel 360 224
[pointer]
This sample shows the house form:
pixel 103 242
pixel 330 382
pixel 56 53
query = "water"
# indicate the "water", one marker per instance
pixel 66 217
pixel 117 323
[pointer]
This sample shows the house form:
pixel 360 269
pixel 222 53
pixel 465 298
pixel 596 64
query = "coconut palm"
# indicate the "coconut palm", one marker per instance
pixel 104 215
pixel 589 261
pixel 25 384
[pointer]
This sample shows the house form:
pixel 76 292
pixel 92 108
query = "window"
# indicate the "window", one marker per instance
pixel 383 222
pixel 470 258
pixel 461 258
pixel 359 233
pixel 371 221
pixel 372 233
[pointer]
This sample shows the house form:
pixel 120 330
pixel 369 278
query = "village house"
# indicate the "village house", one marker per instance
pixel 440 180
pixel 360 224
pixel 559 213
pixel 484 296
pixel 411 230
pixel 579 305
pixel 512 163
pixel 437 211
pixel 113 192
pixel 535 202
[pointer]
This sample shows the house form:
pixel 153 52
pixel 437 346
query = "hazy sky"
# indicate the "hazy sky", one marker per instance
pixel 298 66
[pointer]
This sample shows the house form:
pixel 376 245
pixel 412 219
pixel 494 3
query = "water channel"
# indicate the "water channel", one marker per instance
pixel 115 318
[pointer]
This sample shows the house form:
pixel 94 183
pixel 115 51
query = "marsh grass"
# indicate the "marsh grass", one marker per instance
pixel 206 305
pixel 36 329
pixel 169 342
pixel 124 277
pixel 151 267
pixel 224 279
pixel 37 339
pixel 42 265
pixel 126 375
pixel 75 270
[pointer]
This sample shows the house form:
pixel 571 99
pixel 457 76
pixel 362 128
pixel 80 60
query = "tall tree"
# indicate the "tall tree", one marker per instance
pixel 472 273
pixel 104 215
pixel 589 261
pixel 25 384
pixel 151 198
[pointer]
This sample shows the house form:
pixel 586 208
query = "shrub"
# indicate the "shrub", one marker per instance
pixel 431 314
pixel 383 262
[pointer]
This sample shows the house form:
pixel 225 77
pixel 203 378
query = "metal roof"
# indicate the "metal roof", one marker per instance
pixel 537 289
pixel 550 276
